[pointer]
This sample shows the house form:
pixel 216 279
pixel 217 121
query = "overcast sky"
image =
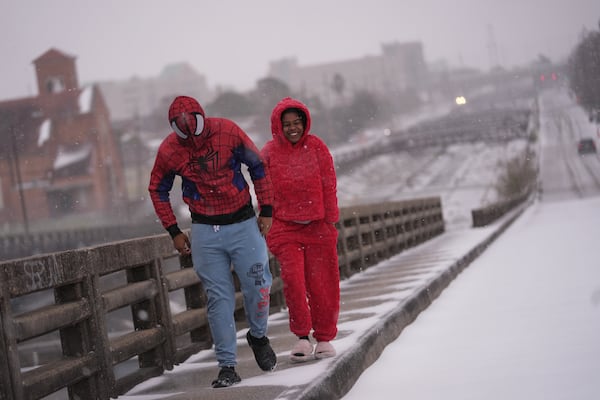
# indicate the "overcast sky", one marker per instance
pixel 231 42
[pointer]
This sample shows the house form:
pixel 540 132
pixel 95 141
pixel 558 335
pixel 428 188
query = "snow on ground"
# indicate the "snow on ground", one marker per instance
pixel 463 175
pixel 521 322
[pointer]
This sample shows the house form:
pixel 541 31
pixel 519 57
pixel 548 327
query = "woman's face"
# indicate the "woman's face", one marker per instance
pixel 293 128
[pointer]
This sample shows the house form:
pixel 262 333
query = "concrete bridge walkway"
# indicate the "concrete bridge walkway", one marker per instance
pixel 375 306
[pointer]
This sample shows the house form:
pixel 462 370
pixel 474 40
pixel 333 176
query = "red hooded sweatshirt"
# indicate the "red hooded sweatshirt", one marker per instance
pixel 302 174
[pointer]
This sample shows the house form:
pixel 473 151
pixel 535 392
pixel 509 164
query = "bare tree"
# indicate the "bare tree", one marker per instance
pixel 584 73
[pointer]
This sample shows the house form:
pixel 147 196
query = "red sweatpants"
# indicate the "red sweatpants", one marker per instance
pixel 311 276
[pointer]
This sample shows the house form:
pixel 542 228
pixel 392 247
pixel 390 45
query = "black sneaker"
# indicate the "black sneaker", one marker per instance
pixel 227 377
pixel 263 353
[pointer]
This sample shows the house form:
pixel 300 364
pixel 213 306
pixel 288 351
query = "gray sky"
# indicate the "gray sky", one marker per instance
pixel 231 42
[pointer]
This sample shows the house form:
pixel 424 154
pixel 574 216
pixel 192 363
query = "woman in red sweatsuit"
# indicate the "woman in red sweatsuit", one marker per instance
pixel 303 236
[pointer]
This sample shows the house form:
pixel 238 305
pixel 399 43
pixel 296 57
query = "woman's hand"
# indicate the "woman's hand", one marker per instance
pixel 264 224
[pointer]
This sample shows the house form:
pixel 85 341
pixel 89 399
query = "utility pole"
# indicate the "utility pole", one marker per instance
pixel 15 158
pixel 140 187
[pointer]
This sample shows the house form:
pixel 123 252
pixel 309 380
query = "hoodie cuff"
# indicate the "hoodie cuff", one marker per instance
pixel 266 211
pixel 174 230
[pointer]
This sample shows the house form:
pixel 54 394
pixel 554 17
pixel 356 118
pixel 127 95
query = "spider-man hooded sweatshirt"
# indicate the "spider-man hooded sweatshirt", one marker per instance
pixel 209 162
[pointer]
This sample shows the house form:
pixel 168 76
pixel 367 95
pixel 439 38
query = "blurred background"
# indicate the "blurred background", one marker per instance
pixel 87 86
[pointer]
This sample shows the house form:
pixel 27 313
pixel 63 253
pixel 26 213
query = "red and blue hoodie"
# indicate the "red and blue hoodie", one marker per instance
pixel 207 153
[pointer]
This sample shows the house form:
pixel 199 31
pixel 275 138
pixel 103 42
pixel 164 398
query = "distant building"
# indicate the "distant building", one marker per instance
pixel 400 67
pixel 138 97
pixel 58 149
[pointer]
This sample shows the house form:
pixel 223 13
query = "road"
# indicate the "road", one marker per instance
pixel 565 174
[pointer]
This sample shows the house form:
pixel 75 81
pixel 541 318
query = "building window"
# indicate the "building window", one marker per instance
pixel 55 85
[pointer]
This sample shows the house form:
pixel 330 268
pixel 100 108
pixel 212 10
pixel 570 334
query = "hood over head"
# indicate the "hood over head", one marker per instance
pixel 285 104
pixel 186 117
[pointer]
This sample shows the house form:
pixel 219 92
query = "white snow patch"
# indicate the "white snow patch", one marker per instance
pixel 85 100
pixel 65 158
pixel 44 132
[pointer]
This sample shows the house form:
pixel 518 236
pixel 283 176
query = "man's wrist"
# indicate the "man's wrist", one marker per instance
pixel 174 230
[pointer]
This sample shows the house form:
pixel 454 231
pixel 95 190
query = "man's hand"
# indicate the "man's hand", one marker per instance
pixel 182 244
pixel 264 224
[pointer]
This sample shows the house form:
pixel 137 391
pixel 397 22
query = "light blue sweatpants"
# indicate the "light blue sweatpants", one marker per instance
pixel 215 248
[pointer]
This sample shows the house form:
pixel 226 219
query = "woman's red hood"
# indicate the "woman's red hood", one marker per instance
pixel 284 104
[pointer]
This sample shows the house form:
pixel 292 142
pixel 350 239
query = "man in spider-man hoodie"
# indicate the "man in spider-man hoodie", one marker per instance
pixel 303 237
pixel 207 153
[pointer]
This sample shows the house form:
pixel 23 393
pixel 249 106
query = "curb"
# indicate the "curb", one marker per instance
pixel 347 369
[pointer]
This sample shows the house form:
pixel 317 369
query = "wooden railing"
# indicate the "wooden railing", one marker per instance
pixel 17 245
pixel 109 314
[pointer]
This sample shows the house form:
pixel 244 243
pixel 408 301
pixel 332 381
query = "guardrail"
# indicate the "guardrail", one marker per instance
pixel 486 215
pixel 118 314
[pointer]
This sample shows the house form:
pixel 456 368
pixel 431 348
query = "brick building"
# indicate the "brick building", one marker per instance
pixel 59 154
